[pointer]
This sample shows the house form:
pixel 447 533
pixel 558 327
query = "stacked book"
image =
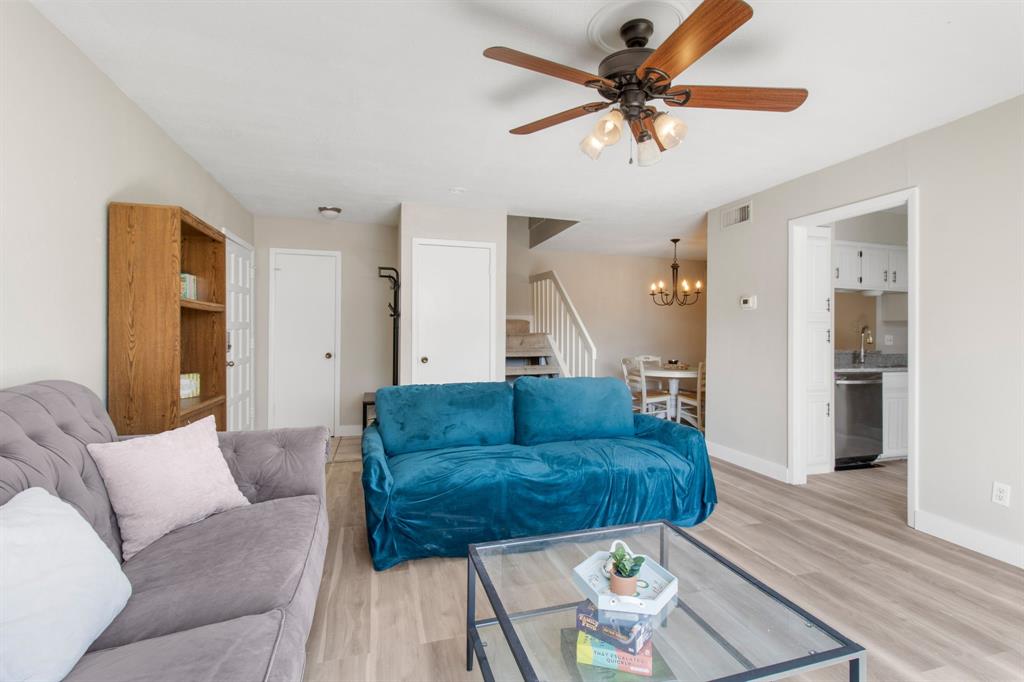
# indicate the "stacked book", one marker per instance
pixel 618 641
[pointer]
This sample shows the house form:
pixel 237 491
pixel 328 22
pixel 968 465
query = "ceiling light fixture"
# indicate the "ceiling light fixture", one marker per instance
pixel 669 129
pixel 647 152
pixel 329 212
pixel 678 292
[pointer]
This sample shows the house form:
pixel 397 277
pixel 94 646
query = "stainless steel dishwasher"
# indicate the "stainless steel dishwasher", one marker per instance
pixel 858 418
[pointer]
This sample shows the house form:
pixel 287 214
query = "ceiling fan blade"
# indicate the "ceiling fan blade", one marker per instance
pixel 562 117
pixel 729 97
pixel 707 26
pixel 638 125
pixel 548 68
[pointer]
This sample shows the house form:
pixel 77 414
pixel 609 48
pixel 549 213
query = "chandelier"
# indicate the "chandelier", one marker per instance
pixel 678 292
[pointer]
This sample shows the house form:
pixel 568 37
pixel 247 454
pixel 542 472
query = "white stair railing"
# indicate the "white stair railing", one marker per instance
pixel 555 315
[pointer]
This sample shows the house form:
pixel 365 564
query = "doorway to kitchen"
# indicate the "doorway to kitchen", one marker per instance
pixel 852 285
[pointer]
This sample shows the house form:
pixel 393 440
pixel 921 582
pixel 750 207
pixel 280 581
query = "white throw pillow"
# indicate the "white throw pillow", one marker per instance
pixel 159 483
pixel 60 587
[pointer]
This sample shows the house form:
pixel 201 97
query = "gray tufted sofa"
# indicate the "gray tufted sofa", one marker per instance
pixel 229 598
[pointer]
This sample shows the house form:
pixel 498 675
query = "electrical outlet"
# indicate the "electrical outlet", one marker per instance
pixel 888 340
pixel 1001 493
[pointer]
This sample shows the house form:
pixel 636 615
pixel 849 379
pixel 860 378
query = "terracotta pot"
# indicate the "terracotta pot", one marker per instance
pixel 624 586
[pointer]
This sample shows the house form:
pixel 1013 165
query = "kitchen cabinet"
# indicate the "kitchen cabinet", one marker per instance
pixel 897 269
pixel 846 265
pixel 895 414
pixel 869 267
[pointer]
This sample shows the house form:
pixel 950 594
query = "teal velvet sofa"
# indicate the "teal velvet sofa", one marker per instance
pixel 445 466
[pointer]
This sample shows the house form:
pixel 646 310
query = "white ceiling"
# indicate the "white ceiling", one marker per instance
pixel 291 105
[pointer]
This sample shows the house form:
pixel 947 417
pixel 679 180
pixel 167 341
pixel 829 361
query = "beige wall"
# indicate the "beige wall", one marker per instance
pixel 610 293
pixel 970 175
pixel 365 324
pixel 875 228
pixel 459 224
pixel 71 143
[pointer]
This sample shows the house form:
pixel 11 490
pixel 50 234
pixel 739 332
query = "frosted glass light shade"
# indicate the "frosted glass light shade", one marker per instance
pixel 670 130
pixel 591 146
pixel 609 127
pixel 647 153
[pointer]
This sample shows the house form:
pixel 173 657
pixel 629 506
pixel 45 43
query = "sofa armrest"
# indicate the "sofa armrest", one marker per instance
pixel 280 463
pixel 689 443
pixel 377 486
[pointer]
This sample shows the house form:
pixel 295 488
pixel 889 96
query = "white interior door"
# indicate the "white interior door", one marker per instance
pixel 819 354
pixel 241 410
pixel 453 311
pixel 305 309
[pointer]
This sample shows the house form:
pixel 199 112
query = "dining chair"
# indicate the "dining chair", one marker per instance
pixel 690 404
pixel 652 401
pixel 651 361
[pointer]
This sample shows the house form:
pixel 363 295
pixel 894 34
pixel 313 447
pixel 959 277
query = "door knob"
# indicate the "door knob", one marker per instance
pixel 231 363
pixel 424 359
pixel 328 355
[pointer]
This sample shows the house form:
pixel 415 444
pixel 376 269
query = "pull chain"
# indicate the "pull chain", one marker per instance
pixel 631 150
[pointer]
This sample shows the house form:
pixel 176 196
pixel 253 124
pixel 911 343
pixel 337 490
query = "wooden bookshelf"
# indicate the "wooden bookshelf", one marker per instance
pixel 154 335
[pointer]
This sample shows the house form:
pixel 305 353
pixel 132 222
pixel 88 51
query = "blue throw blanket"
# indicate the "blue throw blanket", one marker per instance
pixel 437 502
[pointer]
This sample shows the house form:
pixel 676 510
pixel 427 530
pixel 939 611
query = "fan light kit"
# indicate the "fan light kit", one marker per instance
pixel 632 77
pixel 329 212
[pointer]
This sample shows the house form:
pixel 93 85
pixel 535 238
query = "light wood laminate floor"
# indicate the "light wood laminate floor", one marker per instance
pixel 924 609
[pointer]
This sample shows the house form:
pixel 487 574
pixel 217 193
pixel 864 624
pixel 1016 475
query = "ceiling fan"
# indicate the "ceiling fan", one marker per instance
pixel 632 77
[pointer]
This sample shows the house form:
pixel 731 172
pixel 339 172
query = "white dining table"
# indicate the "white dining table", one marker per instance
pixel 673 373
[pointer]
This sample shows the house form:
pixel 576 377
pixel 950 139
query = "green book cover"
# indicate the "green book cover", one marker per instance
pixel 581 672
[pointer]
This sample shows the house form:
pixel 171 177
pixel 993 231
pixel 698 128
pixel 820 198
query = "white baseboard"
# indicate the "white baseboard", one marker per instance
pixel 747 461
pixel 977 540
pixel 345 430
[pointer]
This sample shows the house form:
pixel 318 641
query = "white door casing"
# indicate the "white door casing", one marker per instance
pixel 453 311
pixel 304 333
pixel 241 343
pixel 798 227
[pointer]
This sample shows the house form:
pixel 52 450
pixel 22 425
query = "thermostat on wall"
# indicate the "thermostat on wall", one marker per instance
pixel 748 302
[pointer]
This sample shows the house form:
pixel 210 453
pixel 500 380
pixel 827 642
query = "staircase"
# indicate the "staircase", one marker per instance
pixel 555 316
pixel 526 353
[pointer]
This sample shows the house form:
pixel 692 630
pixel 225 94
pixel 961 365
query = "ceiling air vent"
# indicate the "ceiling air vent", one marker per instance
pixel 740 214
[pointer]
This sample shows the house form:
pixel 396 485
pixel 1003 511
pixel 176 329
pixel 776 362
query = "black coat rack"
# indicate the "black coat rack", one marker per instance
pixel 391 274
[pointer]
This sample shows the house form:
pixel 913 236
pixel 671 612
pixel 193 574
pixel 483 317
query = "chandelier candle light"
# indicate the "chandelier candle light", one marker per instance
pixel 678 292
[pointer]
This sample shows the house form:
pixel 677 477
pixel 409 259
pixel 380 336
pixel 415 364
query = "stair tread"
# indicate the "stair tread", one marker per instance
pixel 526 370
pixel 528 353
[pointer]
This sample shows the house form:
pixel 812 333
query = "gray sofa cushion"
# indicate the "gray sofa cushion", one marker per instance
pixel 239 650
pixel 241 562
pixel 44 428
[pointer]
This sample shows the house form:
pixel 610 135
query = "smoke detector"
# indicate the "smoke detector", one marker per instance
pixel 329 212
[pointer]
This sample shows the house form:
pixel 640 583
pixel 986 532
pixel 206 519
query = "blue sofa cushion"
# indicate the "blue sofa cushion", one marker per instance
pixel 549 410
pixel 432 416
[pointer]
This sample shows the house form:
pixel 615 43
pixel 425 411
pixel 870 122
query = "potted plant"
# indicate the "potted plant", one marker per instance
pixel 623 569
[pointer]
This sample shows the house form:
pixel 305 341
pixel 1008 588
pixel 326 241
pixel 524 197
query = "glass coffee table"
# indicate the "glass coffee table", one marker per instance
pixel 725 624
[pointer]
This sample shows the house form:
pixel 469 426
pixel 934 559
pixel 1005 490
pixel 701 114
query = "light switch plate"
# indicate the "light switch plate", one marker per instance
pixel 1001 493
pixel 888 340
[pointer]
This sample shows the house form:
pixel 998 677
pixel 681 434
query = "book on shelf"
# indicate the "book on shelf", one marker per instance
pixel 193 288
pixel 189 385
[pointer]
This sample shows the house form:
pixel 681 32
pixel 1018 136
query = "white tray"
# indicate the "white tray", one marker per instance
pixel 656 586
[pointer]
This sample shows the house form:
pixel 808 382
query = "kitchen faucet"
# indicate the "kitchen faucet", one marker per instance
pixel 865 337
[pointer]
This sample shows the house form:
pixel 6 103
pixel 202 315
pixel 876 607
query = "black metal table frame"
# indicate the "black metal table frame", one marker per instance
pixel 848 651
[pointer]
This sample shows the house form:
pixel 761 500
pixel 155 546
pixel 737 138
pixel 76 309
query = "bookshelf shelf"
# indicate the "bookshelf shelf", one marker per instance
pixel 153 334
pixel 207 306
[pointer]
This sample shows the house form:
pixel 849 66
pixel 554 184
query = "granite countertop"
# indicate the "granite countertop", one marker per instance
pixel 846 361
pixel 867 369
